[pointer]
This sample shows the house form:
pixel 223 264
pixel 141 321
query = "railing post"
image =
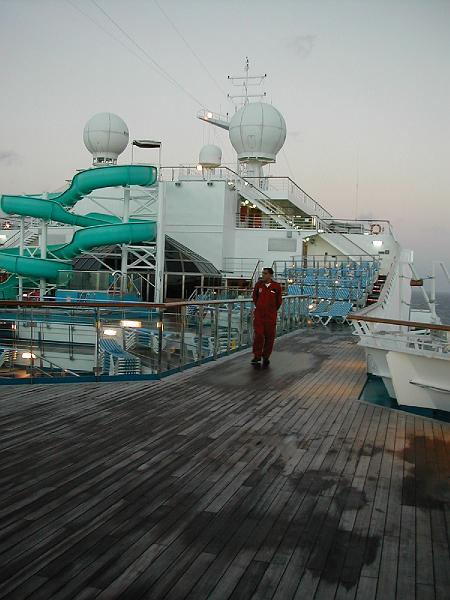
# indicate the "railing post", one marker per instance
pixel 216 329
pixel 97 343
pixel 433 292
pixel 230 308
pixel 200 334
pixel 160 325
pixel 241 322
pixel 182 335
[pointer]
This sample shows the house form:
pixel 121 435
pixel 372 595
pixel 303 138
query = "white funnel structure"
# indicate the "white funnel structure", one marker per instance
pixel 105 136
pixel 257 133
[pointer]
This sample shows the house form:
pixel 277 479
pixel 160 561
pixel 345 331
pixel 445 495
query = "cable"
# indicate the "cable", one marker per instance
pixel 111 35
pixel 138 56
pixel 160 69
pixel 199 60
pixel 283 151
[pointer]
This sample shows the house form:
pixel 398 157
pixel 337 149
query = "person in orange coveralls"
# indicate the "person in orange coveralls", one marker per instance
pixel 267 298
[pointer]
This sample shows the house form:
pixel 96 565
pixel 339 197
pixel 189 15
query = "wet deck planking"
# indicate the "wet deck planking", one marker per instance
pixel 226 481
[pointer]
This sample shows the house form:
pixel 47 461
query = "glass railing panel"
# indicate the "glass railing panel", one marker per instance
pixel 42 340
pixel 132 340
pixel 46 342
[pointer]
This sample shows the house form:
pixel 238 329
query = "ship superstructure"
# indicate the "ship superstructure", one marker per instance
pixel 149 232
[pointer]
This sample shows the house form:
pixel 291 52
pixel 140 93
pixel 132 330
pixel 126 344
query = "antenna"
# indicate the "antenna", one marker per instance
pixel 246 81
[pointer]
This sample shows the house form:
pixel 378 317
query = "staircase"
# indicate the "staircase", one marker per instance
pixel 344 245
pixel 250 192
pixel 374 295
pixel 30 238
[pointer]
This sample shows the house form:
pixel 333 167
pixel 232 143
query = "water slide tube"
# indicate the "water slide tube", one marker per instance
pixel 99 229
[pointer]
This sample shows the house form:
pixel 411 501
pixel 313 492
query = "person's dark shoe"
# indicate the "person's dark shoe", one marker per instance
pixel 255 361
pixel 266 362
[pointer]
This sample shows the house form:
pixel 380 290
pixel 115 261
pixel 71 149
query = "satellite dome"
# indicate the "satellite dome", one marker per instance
pixel 210 156
pixel 105 136
pixel 257 132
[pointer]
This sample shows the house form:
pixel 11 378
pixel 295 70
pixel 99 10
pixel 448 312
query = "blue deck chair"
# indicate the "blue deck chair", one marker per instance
pixel 319 311
pixel 338 312
pixel 295 289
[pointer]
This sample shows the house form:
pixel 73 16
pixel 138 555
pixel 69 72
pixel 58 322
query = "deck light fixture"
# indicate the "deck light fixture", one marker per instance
pixel 134 324
pixel 377 243
pixel 146 143
pixel 29 355
pixel 110 332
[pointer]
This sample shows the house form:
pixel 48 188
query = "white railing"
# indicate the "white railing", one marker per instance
pixel 254 192
pixel 240 266
pixel 420 337
pixel 292 192
pixel 361 226
pixel 264 221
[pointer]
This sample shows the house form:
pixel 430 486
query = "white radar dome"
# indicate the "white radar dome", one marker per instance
pixel 105 136
pixel 257 132
pixel 210 156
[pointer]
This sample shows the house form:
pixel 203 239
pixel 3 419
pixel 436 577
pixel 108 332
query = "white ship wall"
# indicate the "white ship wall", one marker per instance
pixel 256 243
pixel 201 217
pixel 318 246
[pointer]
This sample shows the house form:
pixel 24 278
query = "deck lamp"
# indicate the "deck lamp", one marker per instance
pixel 29 355
pixel 135 324
pixel 110 332
pixel 146 144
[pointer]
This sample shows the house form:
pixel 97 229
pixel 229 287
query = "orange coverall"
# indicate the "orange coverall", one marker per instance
pixel 267 300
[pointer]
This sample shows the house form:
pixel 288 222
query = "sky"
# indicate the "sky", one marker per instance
pixel 364 86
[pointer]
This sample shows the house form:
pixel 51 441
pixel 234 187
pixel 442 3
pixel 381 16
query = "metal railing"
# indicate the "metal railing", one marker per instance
pixel 427 338
pixel 400 323
pixel 264 221
pixel 360 226
pixel 293 192
pixel 220 293
pixel 323 261
pixel 240 266
pixel 255 189
pixel 103 340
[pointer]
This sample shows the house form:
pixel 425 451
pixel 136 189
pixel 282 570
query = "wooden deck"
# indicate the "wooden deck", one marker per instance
pixel 224 482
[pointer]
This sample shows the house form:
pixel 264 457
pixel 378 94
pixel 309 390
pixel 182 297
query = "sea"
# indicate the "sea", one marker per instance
pixel 442 304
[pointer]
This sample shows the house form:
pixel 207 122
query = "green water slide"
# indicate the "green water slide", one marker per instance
pixel 98 229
